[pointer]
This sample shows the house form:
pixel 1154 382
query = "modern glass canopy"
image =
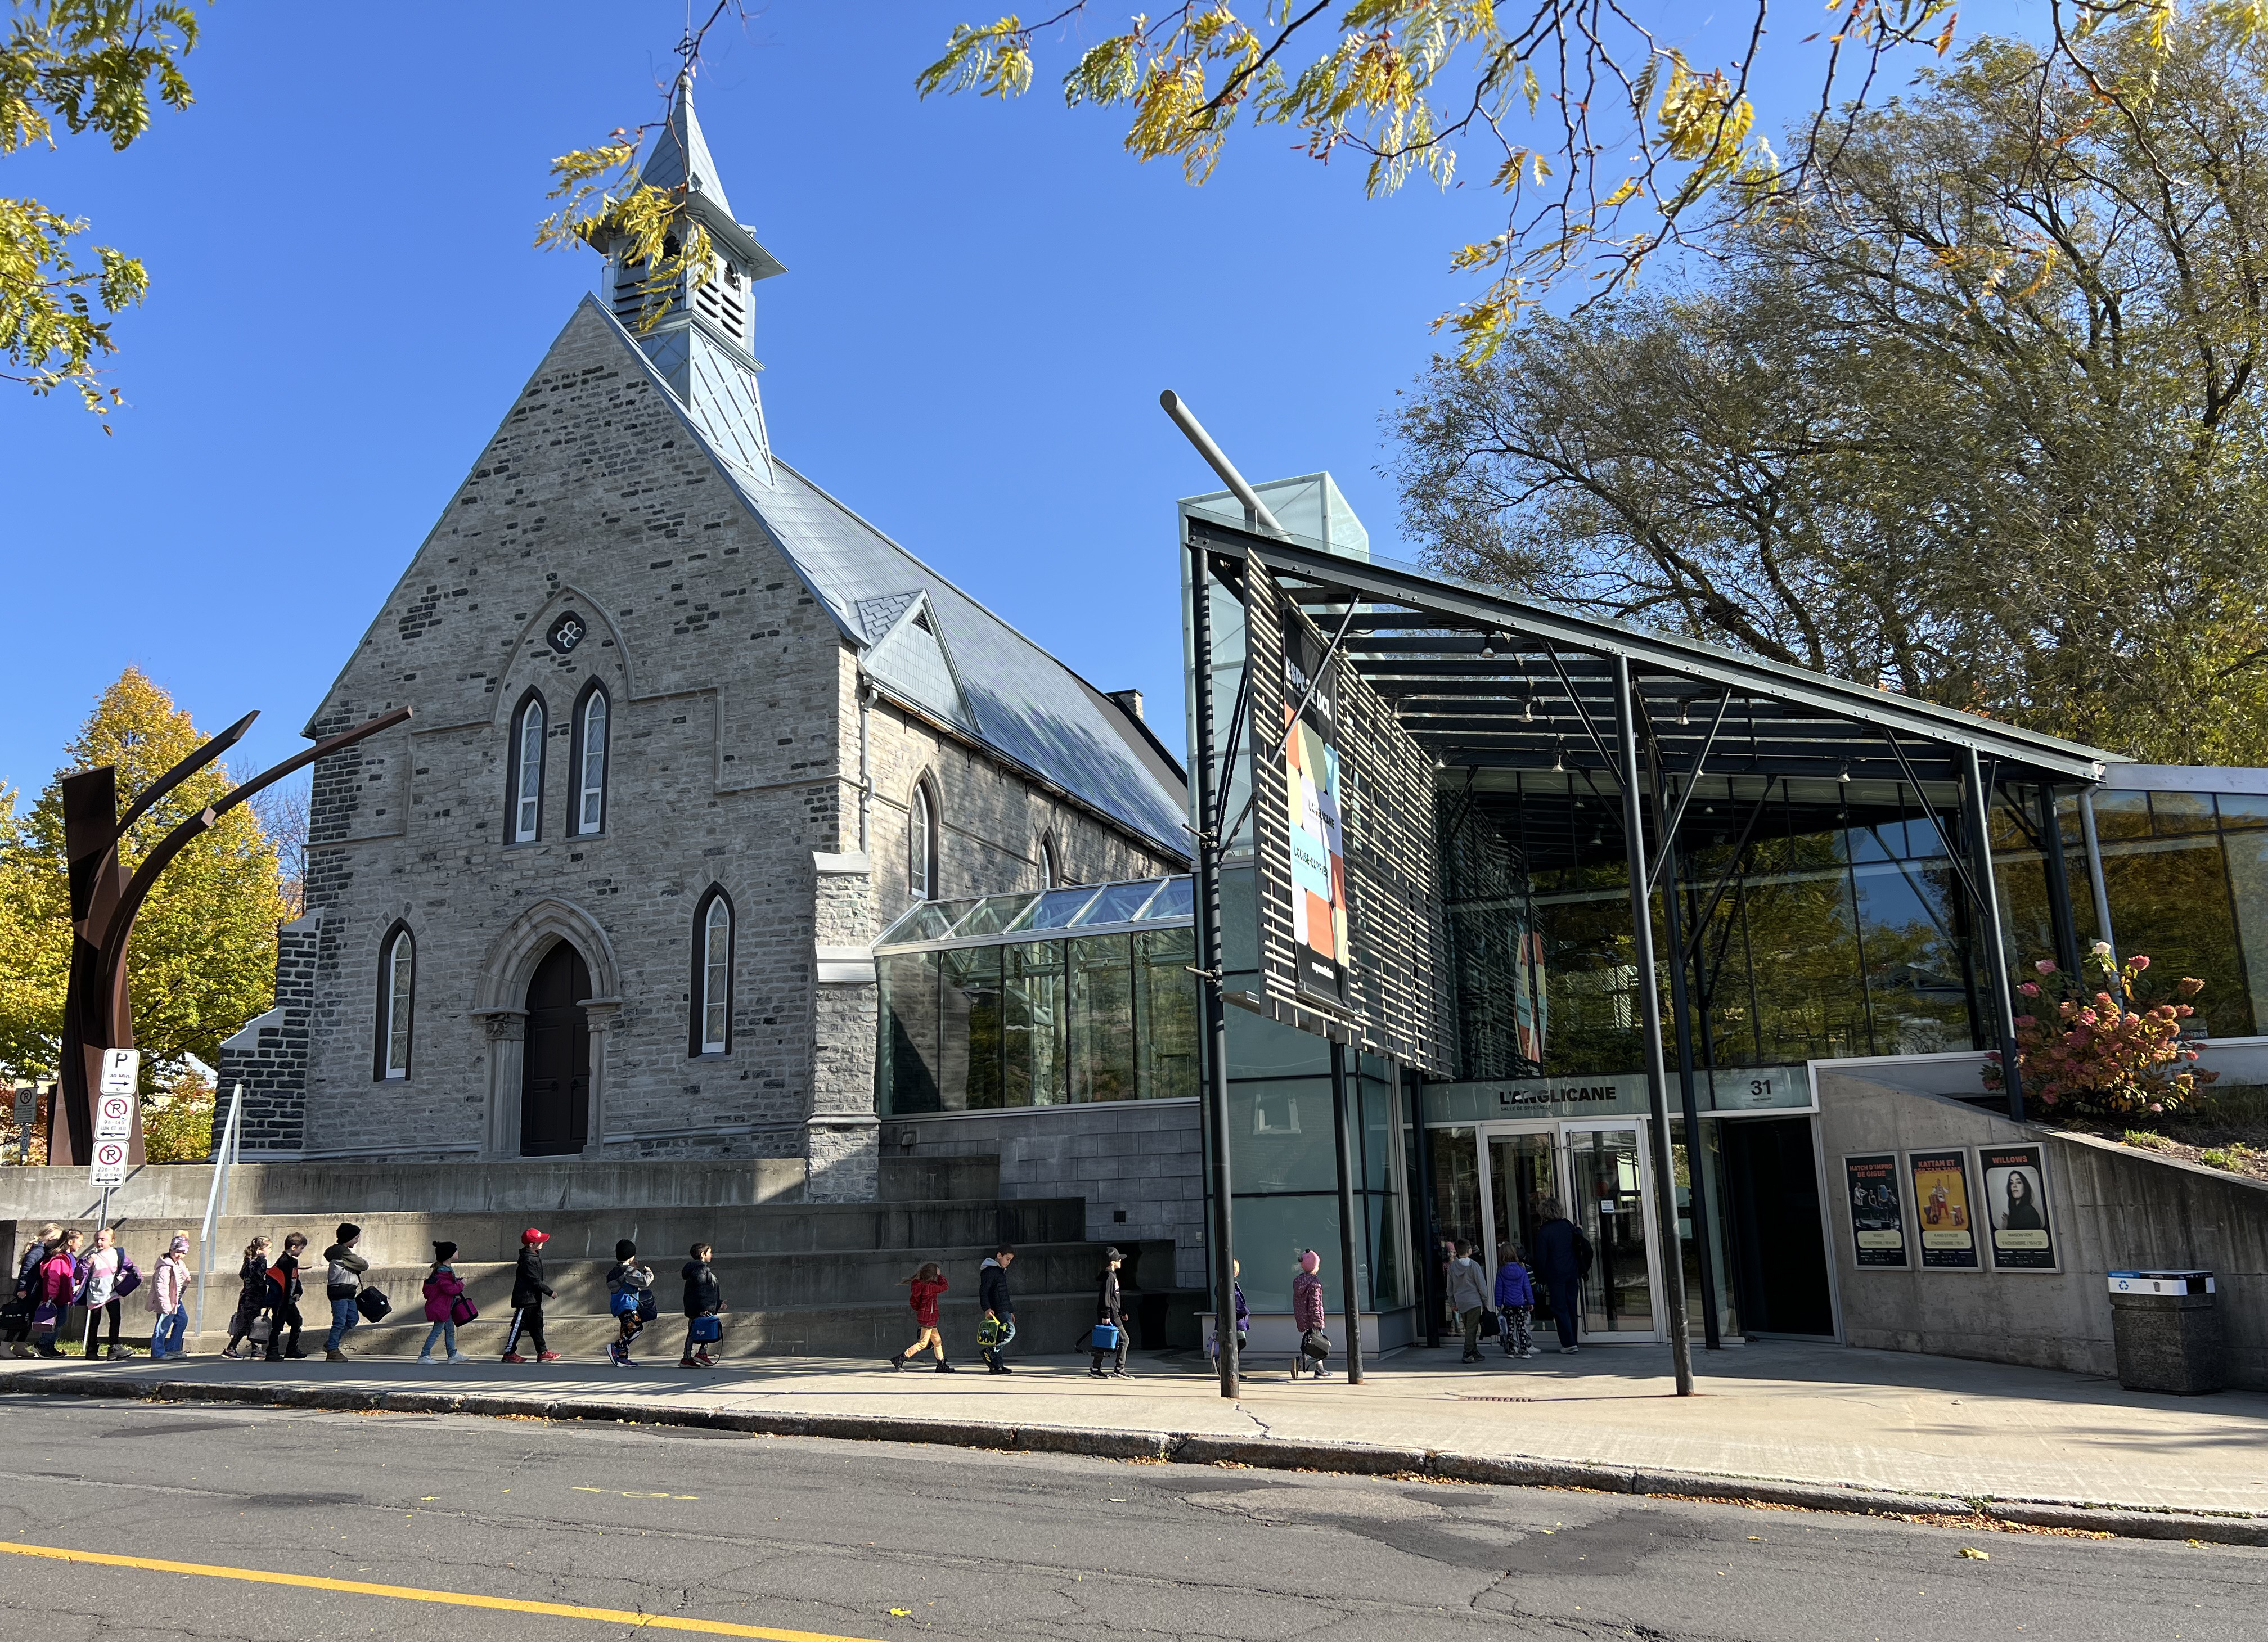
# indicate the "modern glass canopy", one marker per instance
pixel 1039 997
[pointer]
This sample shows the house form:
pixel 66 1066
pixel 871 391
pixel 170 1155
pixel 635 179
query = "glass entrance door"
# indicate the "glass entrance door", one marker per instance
pixel 1607 1198
pixel 1523 1171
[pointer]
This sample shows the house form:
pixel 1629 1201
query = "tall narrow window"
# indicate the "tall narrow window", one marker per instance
pixel 712 975
pixel 397 986
pixel 921 845
pixel 528 773
pixel 1051 867
pixel 590 764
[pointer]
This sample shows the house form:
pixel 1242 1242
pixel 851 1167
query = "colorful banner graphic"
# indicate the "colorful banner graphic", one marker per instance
pixel 1878 1221
pixel 2016 1208
pixel 1942 1209
pixel 1319 898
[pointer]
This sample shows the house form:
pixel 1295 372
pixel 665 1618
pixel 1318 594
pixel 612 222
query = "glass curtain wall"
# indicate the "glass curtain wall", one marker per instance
pixel 1039 1000
pixel 1283 1162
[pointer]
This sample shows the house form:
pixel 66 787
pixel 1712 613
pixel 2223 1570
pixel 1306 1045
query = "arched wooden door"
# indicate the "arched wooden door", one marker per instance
pixel 555 1092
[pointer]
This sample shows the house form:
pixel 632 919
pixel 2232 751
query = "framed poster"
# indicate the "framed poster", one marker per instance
pixel 2016 1185
pixel 1878 1220
pixel 1942 1211
pixel 1313 781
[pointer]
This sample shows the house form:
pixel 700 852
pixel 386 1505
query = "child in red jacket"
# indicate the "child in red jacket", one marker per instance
pixel 927 1284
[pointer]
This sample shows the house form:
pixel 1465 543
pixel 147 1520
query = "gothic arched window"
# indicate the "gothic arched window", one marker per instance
pixel 1051 863
pixel 921 842
pixel 525 823
pixel 590 761
pixel 397 993
pixel 712 975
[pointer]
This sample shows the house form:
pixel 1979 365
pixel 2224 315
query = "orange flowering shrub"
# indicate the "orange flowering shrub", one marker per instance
pixel 2109 1052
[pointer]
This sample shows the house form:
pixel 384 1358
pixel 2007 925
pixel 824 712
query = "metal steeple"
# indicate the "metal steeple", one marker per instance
pixel 702 344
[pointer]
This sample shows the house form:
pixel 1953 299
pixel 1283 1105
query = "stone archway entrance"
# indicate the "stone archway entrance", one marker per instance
pixel 555 1090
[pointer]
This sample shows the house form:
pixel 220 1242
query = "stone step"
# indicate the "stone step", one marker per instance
pixel 1047 1324
pixel 764 1281
pixel 662 1235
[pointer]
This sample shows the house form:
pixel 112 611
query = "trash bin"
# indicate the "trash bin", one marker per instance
pixel 2167 1330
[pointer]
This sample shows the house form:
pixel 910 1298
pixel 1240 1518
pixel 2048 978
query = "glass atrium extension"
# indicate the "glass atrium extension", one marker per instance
pixel 1039 997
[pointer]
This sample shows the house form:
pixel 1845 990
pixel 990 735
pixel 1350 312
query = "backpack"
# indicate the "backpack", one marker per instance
pixel 1584 1254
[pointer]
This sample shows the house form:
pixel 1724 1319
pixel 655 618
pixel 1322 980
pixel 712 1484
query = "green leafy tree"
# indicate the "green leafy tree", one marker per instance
pixel 202 961
pixel 90 66
pixel 1604 144
pixel 1977 412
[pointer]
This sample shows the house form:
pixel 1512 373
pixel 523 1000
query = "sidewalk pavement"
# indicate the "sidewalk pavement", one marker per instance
pixel 1810 1424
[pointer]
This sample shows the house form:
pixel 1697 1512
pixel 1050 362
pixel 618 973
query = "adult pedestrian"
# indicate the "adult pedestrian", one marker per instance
pixel 529 1290
pixel 1468 1297
pixel 52 1292
pixel 1561 1254
pixel 169 1286
pixel 342 1272
pixel 997 1324
pixel 1110 1311
pixel 105 1278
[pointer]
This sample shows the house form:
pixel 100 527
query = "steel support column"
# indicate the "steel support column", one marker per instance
pixel 1350 1241
pixel 1696 1153
pixel 2102 924
pixel 1220 1229
pixel 1994 961
pixel 1649 997
pixel 2066 925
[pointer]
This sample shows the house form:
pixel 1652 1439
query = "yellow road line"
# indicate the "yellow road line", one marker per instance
pixel 416 1593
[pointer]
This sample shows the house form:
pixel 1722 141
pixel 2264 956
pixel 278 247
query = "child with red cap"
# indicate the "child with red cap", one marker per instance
pixel 529 1290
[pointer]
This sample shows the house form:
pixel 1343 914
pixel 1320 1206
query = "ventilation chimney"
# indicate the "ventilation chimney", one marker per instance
pixel 1130 701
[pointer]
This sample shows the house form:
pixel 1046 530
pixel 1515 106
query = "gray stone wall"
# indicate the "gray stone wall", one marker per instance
pixel 2111 1208
pixel 268 1056
pixel 1144 1158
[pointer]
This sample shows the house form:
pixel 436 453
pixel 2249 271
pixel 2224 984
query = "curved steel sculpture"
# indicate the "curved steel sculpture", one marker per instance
pixel 97 1014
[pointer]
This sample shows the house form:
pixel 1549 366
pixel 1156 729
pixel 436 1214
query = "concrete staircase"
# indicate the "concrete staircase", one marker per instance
pixel 799 1279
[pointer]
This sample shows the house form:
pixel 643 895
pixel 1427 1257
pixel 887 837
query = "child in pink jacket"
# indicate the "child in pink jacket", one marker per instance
pixel 168 1289
pixel 443 1291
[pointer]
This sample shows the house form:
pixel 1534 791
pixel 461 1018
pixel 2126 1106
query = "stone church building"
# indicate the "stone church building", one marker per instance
pixel 688 733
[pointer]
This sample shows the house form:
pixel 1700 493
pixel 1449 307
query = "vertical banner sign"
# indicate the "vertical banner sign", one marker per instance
pixel 2015 1184
pixel 27 1119
pixel 1941 1206
pixel 1878 1222
pixel 1319 898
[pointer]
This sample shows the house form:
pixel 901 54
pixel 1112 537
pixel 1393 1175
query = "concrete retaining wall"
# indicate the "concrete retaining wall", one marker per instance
pixel 2112 1207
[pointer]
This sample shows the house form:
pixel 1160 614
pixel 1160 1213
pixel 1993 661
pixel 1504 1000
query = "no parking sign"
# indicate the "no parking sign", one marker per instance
pixel 109 1167
pixel 113 1117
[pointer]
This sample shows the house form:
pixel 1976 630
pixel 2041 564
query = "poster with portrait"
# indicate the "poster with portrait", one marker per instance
pixel 1878 1221
pixel 1942 1212
pixel 2016 1185
pixel 1314 796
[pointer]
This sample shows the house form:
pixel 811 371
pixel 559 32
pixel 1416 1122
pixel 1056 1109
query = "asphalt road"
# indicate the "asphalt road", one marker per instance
pixel 901 1544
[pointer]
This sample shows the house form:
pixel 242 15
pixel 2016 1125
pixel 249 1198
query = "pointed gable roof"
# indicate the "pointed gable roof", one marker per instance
pixel 930 644
pixel 677 157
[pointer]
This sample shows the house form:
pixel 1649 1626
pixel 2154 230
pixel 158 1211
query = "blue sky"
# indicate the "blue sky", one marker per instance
pixel 982 303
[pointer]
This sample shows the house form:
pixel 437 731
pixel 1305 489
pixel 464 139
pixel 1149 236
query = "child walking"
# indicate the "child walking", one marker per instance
pixel 251 1297
pixel 926 1285
pixel 51 1293
pixel 443 1291
pixel 168 1288
pixel 18 1313
pixel 630 1296
pixel 1308 1317
pixel 705 1298
pixel 284 1291
pixel 1515 1303
pixel 529 1290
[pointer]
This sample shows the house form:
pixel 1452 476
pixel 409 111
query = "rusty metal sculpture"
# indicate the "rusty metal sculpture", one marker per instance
pixel 97 1014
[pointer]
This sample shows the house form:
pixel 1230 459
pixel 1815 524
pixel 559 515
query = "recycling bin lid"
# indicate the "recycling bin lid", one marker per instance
pixel 2162 1283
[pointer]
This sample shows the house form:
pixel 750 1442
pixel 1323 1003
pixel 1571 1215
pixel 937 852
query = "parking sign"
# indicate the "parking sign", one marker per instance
pixel 109 1167
pixel 122 1072
pixel 113 1117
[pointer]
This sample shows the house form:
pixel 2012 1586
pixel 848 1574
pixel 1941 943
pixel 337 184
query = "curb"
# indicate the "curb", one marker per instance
pixel 1201 1448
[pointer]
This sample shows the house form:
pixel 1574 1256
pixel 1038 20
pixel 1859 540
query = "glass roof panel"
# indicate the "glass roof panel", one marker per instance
pixel 994 913
pixel 928 921
pixel 1173 901
pixel 1055 909
pixel 1119 902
